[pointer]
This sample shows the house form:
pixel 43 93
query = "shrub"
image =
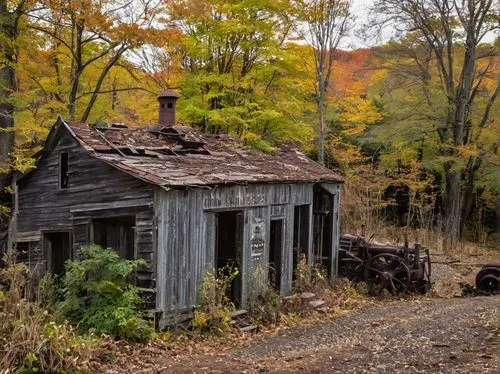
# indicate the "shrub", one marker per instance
pixel 213 314
pixel 309 278
pixel 343 295
pixel 264 304
pixel 98 295
pixel 30 340
pixel 266 307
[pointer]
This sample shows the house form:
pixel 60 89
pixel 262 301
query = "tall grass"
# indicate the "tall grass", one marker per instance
pixel 365 211
pixel 30 339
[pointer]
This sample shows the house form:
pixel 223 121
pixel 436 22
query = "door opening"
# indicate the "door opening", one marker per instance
pixel 117 233
pixel 229 249
pixel 57 246
pixel 323 228
pixel 275 250
pixel 300 235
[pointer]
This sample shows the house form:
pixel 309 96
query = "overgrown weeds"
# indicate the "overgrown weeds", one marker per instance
pixel 265 303
pixel 309 278
pixel 213 314
pixel 268 308
pixel 30 339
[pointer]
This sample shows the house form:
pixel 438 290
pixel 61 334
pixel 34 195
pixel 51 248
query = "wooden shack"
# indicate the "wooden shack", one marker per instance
pixel 181 201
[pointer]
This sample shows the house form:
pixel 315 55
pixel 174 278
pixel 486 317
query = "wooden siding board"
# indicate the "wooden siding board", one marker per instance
pixel 287 256
pixel 95 189
pixel 186 235
pixel 336 232
pixel 256 261
pixel 92 184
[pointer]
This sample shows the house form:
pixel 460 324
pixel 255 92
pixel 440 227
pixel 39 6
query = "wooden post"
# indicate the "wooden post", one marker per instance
pixel 416 261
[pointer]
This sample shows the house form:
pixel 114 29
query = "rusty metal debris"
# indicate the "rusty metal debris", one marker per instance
pixel 397 269
pixel 488 279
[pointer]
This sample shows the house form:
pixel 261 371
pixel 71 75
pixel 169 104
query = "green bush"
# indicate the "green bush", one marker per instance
pixel 98 295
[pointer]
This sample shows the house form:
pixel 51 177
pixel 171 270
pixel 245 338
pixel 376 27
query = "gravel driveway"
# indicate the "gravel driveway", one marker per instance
pixel 459 335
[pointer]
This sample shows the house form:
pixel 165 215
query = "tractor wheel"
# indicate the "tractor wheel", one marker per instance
pixel 488 279
pixel 387 271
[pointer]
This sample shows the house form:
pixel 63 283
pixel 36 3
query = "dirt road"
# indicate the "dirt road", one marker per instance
pixel 459 335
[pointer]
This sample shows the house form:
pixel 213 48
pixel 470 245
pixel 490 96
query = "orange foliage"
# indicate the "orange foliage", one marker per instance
pixel 352 73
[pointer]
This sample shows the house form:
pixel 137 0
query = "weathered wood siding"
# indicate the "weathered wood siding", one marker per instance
pixel 186 236
pixel 95 190
pixel 175 230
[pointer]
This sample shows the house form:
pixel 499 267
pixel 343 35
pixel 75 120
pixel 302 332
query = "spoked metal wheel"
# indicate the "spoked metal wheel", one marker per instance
pixel 387 271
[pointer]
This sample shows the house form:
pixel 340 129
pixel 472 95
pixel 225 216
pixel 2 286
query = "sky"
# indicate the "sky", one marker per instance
pixel 362 12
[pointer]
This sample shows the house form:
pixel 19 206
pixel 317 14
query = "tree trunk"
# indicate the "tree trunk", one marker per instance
pixel 321 112
pixel 468 190
pixel 453 204
pixel 322 131
pixel 72 100
pixel 9 32
pixel 98 85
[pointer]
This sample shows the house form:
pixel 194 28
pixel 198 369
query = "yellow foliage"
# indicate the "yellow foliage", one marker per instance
pixel 468 150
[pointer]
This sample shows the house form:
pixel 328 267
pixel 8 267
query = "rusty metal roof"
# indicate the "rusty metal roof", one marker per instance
pixel 177 156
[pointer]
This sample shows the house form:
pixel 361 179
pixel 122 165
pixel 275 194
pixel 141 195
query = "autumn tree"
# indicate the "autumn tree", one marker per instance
pixel 439 27
pixel 11 13
pixel 93 33
pixel 233 59
pixel 328 22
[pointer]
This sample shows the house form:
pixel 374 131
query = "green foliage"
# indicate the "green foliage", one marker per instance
pixel 238 71
pixel 98 295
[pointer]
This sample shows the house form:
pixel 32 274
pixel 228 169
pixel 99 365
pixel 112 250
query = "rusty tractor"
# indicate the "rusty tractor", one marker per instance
pixel 397 269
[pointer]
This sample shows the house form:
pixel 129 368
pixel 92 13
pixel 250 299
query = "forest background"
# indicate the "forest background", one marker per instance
pixel 410 122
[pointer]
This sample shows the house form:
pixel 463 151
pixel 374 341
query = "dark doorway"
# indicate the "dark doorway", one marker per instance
pixel 229 249
pixel 275 250
pixel 117 233
pixel 300 234
pixel 57 246
pixel 323 228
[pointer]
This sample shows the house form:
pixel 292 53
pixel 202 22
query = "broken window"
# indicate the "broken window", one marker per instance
pixel 117 233
pixel 22 252
pixel 63 170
